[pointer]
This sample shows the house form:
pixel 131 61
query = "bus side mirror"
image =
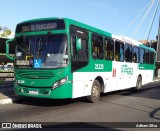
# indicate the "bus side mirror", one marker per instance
pixel 78 43
pixel 7 49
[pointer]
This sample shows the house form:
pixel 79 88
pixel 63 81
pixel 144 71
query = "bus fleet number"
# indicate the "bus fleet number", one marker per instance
pixel 99 66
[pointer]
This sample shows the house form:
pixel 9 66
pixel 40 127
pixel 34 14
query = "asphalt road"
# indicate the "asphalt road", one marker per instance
pixel 123 106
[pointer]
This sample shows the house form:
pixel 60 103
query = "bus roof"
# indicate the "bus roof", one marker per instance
pixel 74 22
pixel 93 29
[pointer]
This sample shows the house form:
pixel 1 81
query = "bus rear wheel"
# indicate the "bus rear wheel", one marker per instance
pixel 139 83
pixel 95 92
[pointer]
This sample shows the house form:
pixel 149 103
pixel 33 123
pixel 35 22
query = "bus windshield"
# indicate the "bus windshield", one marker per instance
pixel 49 51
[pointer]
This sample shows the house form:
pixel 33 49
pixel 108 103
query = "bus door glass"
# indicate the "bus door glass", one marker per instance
pixel 79 48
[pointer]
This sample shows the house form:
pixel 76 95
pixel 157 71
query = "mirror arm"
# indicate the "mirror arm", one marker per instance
pixel 7 48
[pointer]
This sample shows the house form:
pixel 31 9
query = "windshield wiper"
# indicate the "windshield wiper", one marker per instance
pixel 43 45
pixel 27 52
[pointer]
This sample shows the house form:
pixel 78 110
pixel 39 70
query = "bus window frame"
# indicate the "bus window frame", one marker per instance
pixel 128 44
pixel 121 42
pixel 147 59
pixel 138 54
pixel 95 54
pixel 144 59
pixel 77 64
pixel 105 51
pixel 151 61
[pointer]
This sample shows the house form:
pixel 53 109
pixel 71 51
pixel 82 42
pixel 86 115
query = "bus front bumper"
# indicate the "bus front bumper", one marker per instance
pixel 61 92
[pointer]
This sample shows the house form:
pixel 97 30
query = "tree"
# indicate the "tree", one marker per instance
pixel 5 32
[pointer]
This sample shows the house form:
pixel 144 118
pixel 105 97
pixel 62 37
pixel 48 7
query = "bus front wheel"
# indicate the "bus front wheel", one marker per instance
pixel 95 92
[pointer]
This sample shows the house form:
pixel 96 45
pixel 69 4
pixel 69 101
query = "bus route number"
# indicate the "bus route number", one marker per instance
pixel 99 66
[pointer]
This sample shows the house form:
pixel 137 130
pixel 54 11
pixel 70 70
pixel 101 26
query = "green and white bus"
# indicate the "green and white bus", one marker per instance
pixel 61 58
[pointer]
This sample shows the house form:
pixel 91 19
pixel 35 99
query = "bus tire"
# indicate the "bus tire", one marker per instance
pixel 139 83
pixel 95 92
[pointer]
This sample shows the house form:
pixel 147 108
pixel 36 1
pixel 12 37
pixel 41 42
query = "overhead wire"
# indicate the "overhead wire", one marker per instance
pixel 158 41
pixel 143 19
pixel 151 22
pixel 136 17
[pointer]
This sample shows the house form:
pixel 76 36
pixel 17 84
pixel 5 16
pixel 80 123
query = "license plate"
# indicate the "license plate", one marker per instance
pixel 33 92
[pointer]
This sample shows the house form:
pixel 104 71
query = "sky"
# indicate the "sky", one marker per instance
pixel 113 16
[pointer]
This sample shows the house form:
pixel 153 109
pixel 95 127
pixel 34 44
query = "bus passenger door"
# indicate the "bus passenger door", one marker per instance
pixel 116 81
pixel 127 67
pixel 119 76
pixel 118 63
pixel 127 77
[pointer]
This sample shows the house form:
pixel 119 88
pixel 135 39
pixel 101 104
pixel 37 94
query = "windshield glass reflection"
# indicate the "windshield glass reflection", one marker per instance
pixel 41 51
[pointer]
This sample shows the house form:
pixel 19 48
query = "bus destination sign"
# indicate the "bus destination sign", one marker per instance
pixel 40 26
pixel 37 27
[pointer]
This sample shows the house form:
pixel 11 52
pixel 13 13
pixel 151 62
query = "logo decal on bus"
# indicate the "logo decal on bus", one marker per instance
pixel 127 70
pixel 20 81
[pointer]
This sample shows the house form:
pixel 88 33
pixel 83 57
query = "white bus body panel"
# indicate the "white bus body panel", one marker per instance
pixel 125 77
pixel 82 81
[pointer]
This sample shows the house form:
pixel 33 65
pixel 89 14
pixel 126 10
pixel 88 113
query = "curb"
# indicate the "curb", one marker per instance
pixel 156 80
pixel 6 101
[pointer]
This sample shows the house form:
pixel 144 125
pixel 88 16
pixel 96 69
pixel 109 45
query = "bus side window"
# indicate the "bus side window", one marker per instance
pixel 119 51
pixel 135 54
pixel 142 56
pixel 151 60
pixel 128 53
pixel 81 54
pixel 97 46
pixel 109 49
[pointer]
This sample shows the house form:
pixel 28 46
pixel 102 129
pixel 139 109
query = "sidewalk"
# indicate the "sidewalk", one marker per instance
pixel 156 79
pixel 7 95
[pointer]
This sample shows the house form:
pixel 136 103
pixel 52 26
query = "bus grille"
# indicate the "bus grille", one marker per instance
pixel 36 75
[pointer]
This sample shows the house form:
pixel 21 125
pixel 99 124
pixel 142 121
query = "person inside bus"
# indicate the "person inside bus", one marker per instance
pixel 94 53
pixel 116 56
pixel 135 57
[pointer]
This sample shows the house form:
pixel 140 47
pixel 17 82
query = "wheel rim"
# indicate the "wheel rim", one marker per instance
pixel 95 91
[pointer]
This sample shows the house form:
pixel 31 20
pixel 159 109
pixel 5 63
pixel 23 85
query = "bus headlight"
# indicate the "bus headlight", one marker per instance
pixel 60 82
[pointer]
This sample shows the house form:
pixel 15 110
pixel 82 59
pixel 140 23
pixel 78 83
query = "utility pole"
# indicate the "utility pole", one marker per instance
pixel 158 43
pixel 158 51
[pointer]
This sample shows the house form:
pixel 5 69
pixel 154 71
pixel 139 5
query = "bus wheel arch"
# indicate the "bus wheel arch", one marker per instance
pixel 96 89
pixel 100 80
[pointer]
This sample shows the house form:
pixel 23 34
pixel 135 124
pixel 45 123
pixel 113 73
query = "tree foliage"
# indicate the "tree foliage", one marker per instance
pixel 5 32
